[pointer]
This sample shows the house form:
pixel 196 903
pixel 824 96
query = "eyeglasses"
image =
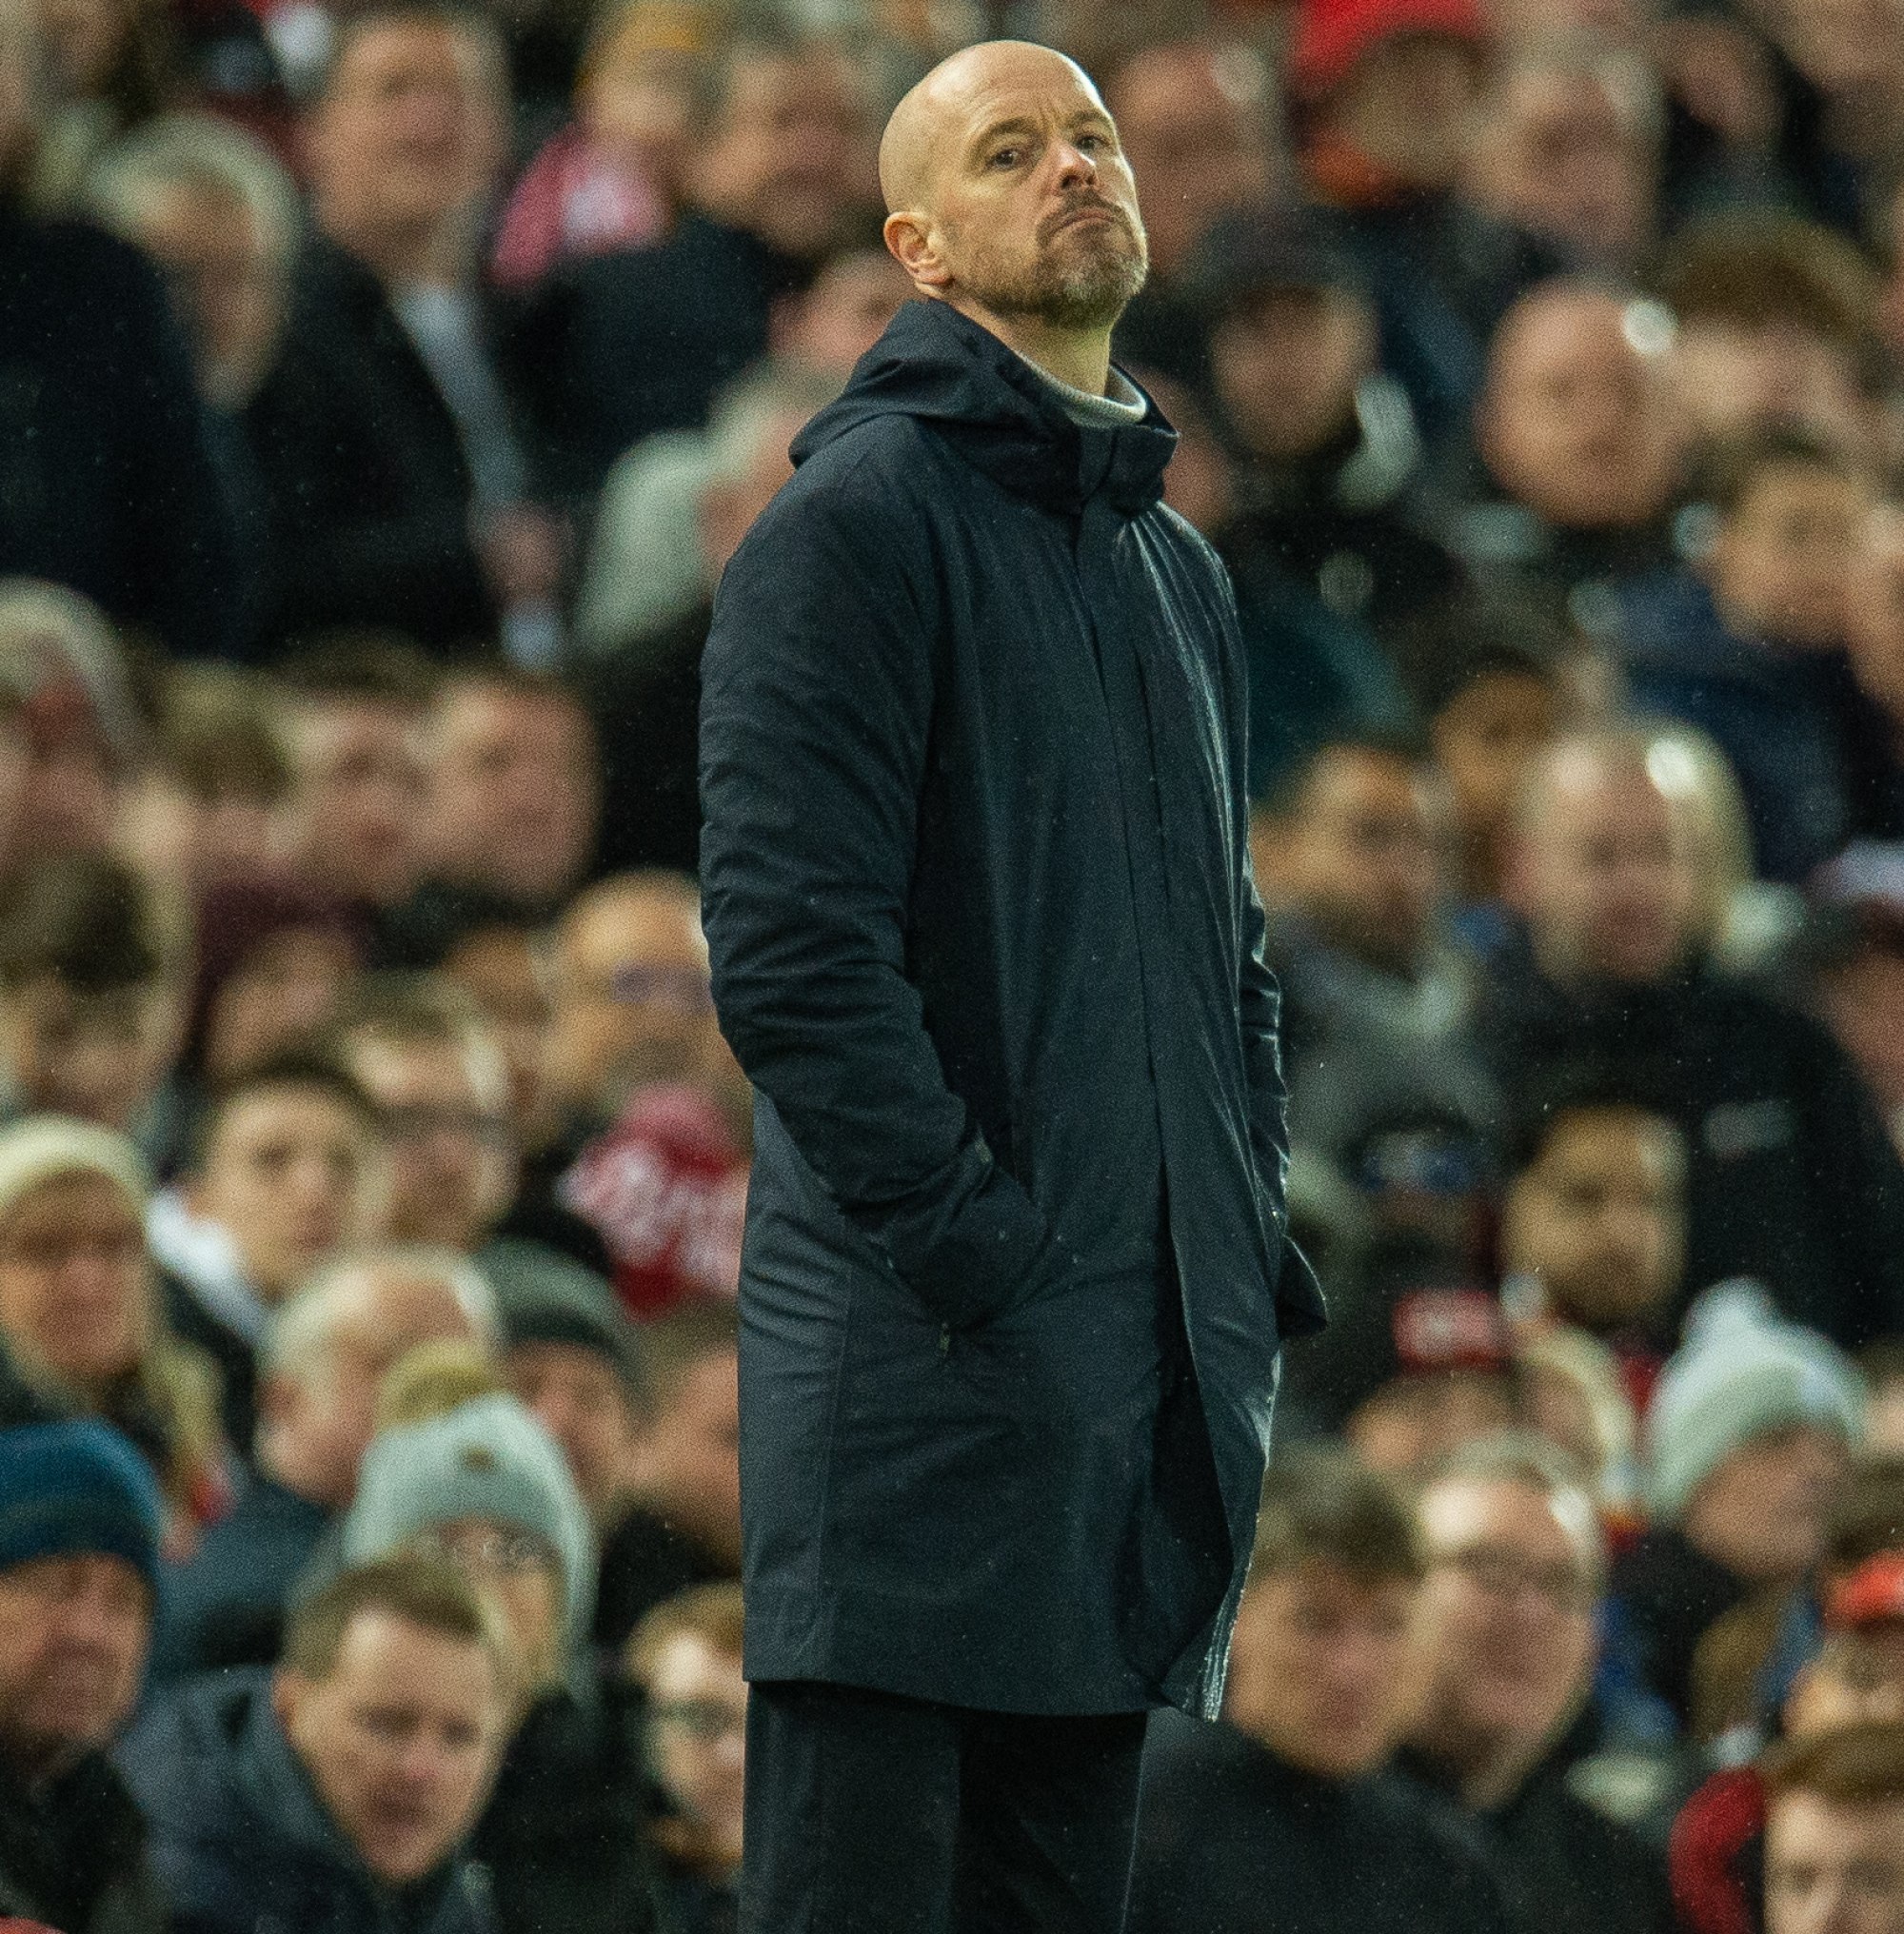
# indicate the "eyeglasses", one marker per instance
pixel 1504 1573
pixel 503 1553
pixel 704 1721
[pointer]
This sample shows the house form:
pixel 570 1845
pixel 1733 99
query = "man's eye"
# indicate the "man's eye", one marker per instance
pixel 1087 143
pixel 1005 157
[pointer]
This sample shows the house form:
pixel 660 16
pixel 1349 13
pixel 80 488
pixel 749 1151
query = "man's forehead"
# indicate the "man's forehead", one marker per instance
pixel 1048 91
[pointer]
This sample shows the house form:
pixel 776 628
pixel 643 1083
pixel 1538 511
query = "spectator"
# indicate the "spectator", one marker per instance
pixel 1577 430
pixel 109 481
pixel 1852 961
pixel 1567 148
pixel 355 717
pixel 399 491
pixel 513 787
pixel 1593 1227
pixel 1514 1572
pixel 79 1316
pixel 685 1658
pixel 288 1166
pixel 423 1054
pixel 1387 95
pixel 1791 1179
pixel 324 1357
pixel 1874 642
pixel 1746 1445
pixel 680 1523
pixel 338 1792
pixel 91 1003
pixel 486 1488
pixel 80 1524
pixel 1260 1813
pixel 1835 1834
pixel 1777 322
pixel 1750 650
pixel 779 171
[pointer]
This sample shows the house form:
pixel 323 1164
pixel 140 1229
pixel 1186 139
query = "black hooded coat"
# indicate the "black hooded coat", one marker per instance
pixel 975 871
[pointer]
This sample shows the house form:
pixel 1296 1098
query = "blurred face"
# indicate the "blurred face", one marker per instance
pixel 285 989
pixel 577 1395
pixel 1412 1422
pixel 1863 1003
pixel 1408 104
pixel 1599 1219
pixel 636 99
pixel 73 1633
pixel 1509 1616
pixel 452 1155
pixel 1554 158
pixel 84 40
pixel 787 159
pixel 1028 212
pixel 400 1740
pixel 697 1742
pixel 847 311
pixel 1779 565
pixel 360 799
pixel 1761 1513
pixel 687 1459
pixel 632 1001
pixel 1607 879
pixel 293 1176
pixel 1198 128
pixel 71 798
pixel 1358 858
pixel 1323 1666
pixel 1575 422
pixel 318 1418
pixel 522 1575
pixel 1287 367
pixel 1834 1868
pixel 1484 741
pixel 392 143
pixel 75 1290
pixel 1731 378
pixel 100 1056
pixel 513 791
pixel 497 968
pixel 226 276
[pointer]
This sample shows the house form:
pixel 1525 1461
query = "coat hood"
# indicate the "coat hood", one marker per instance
pixel 947 370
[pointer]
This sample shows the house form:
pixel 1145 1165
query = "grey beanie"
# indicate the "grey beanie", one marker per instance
pixel 1742 1372
pixel 489 1458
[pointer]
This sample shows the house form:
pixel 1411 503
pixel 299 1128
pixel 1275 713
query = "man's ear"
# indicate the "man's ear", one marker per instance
pixel 914 245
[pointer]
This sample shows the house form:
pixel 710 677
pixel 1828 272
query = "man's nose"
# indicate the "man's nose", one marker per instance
pixel 1074 168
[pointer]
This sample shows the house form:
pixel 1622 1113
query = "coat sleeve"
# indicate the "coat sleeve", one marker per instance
pixel 817 703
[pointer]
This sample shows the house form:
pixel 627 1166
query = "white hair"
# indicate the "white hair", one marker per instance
pixel 199 151
pixel 304 1325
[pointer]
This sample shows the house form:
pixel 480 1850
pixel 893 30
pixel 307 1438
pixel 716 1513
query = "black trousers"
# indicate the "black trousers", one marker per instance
pixel 872 1814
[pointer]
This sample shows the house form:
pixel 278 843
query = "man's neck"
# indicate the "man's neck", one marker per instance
pixel 400 256
pixel 1079 358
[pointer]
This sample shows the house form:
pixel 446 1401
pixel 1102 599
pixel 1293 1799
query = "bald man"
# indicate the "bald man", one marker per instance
pixel 976 891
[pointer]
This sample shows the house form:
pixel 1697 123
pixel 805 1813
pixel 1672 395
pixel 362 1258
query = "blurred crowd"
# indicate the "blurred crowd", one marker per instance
pixel 384 386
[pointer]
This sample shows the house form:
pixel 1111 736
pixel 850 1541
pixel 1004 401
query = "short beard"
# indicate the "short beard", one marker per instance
pixel 1089 294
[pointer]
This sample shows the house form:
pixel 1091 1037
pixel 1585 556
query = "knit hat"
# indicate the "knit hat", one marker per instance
pixel 1742 1372
pixel 544 1297
pixel 1332 35
pixel 72 1488
pixel 490 1458
pixel 44 1147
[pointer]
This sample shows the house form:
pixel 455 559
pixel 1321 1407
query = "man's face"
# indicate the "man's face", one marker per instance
pixel 1732 378
pixel 1408 106
pixel 697 1705
pixel 1031 212
pixel 100 1056
pixel 1601 1219
pixel 786 158
pixel 390 142
pixel 579 1396
pixel 1196 127
pixel 453 1150
pixel 846 312
pixel 513 791
pixel 1762 1510
pixel 1863 1001
pixel 1325 1667
pixel 1781 562
pixel 632 999
pixel 325 1413
pixel 1509 1614
pixel 73 1633
pixel 499 969
pixel 360 797
pixel 399 1739
pixel 1834 1868
pixel 688 1458
pixel 1360 857
pixel 1574 420
pixel 1607 880
pixel 1286 366
pixel 292 1175
pixel 75 1294
pixel 1485 738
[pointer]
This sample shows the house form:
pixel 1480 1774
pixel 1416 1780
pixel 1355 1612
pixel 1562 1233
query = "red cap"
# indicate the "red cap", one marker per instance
pixel 1332 35
pixel 1874 1594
